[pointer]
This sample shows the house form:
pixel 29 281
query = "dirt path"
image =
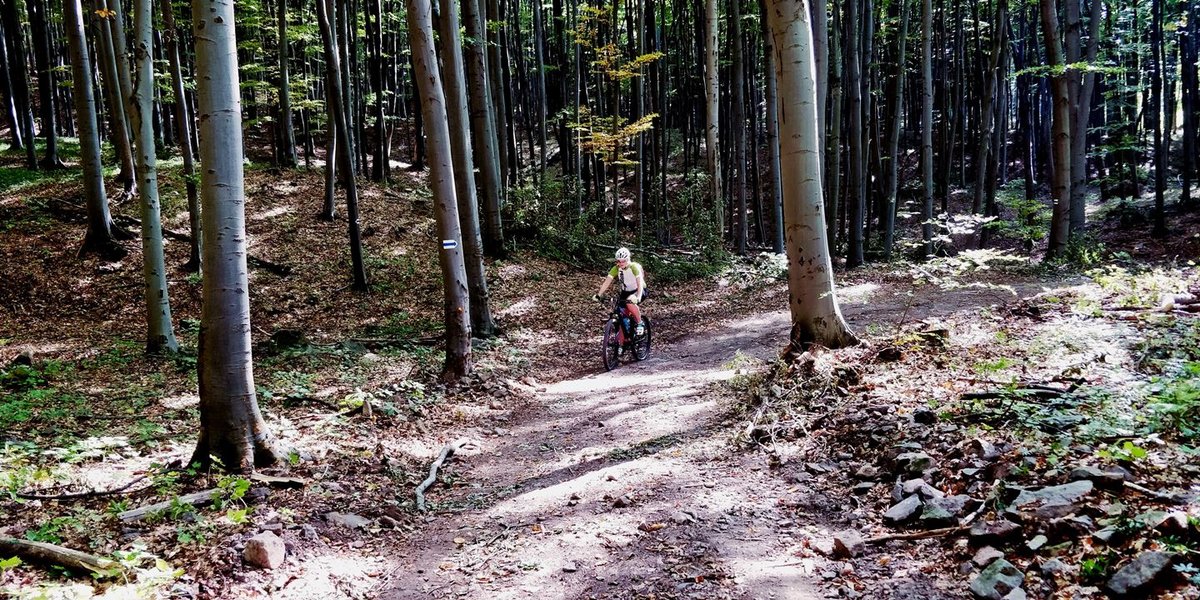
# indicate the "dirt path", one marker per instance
pixel 623 484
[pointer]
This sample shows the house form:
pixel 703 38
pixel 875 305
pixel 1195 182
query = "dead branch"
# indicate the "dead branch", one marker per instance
pixel 422 341
pixel 278 482
pixel 446 453
pixel 1172 498
pixel 195 499
pixel 87 494
pixel 45 553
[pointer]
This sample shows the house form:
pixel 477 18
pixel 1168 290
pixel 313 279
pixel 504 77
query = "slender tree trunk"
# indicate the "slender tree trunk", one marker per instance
pixel 816 318
pixel 712 95
pixel 772 116
pixel 183 123
pixel 738 121
pixel 344 157
pixel 107 55
pixel 820 26
pixel 1156 108
pixel 441 181
pixel 381 169
pixel 893 155
pixel 46 82
pixel 539 41
pixel 231 427
pixel 833 146
pixel 483 129
pixel 160 334
pixel 287 137
pixel 1189 44
pixel 1060 217
pixel 856 205
pixel 14 37
pixel 454 85
pixel 927 126
pixel 101 237
pixel 984 152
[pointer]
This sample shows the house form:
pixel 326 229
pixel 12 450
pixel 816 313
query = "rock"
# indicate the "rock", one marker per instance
pixel 1071 527
pixel 1056 568
pixel 1135 578
pixel 24 359
pixel 308 532
pixel 347 520
pixel 288 338
pixel 903 512
pixel 847 544
pixel 985 556
pixel 682 517
pixel 1172 523
pixel 623 501
pixel 1110 478
pixel 823 546
pixel 265 550
pixel 997 580
pixel 983 449
pixel 862 488
pixel 333 486
pixel 867 472
pixel 943 511
pixel 913 463
pixel 1050 502
pixel 496 405
pixel 1037 542
pixel 371 358
pixel 983 532
pixel 389 522
pixel 273 527
pixel 1017 594
pixel 257 494
pixel 570 567
pixel 924 416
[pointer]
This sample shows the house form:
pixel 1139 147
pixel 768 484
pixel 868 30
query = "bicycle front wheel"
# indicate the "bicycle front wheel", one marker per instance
pixel 611 348
pixel 641 348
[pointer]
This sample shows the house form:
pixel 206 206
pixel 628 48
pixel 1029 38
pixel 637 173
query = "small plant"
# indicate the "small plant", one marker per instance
pixel 1096 568
pixel 1127 452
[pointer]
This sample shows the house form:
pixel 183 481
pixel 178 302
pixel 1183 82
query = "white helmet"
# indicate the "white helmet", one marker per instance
pixel 623 254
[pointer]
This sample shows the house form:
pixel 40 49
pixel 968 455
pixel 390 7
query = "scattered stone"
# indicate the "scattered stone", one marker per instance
pixel 623 502
pixel 862 488
pixel 1110 478
pixel 308 532
pixel 913 463
pixel 288 338
pixel 1173 523
pixel 347 520
pixel 983 449
pixel 333 486
pixel 1017 594
pixel 847 544
pixel 370 358
pixel 1105 535
pixel 1135 578
pixel 924 416
pixel 997 580
pixel 496 405
pixel 823 546
pixel 984 532
pixel 683 517
pixel 1071 527
pixel 389 522
pixel 265 550
pixel 570 567
pixel 24 359
pixel 1050 502
pixel 965 568
pixel 943 511
pixel 867 472
pixel 1037 542
pixel 985 556
pixel 257 494
pixel 903 512
pixel 273 527
pixel 1056 567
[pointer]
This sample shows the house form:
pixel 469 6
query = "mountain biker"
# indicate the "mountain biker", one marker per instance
pixel 633 285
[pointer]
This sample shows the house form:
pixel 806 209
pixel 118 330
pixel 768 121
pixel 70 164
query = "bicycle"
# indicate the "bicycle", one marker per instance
pixel 618 338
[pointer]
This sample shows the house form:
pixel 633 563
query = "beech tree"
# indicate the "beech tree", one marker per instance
pixel 816 318
pixel 231 426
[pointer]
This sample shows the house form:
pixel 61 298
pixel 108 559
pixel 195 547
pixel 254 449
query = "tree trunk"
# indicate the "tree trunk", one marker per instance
pixel 1061 188
pixel 984 151
pixel 344 156
pixel 183 123
pixel 833 140
pixel 1189 45
pixel 107 55
pixel 160 334
pixel 231 428
pixel 772 116
pixel 441 181
pixel 712 95
pixel 483 129
pixel 18 72
pixel 1156 108
pixel 539 41
pixel 737 123
pixel 816 318
pixel 893 155
pixel 455 89
pixel 287 133
pixel 101 233
pixel 927 125
pixel 856 205
pixel 46 81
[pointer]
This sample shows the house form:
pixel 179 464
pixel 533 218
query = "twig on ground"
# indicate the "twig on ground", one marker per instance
pixel 963 524
pixel 87 494
pixel 446 453
pixel 195 499
pixel 54 554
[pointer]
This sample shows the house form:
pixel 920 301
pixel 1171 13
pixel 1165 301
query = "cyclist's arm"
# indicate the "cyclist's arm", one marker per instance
pixel 604 286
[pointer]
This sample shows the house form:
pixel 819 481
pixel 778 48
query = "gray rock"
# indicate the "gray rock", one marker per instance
pixel 308 532
pixel 1106 478
pixel 847 544
pixel 997 531
pixel 997 580
pixel 867 472
pixel 1050 502
pixel 570 567
pixel 924 416
pixel 985 556
pixel 943 511
pixel 1017 594
pixel 913 463
pixel 347 520
pixel 1037 542
pixel 1056 567
pixel 1135 578
pixel 823 546
pixel 389 522
pixel 903 512
pixel 862 488
pixel 265 550
pixel 333 486
pixel 983 449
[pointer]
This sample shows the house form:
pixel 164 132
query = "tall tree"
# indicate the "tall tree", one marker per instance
pixel 1157 107
pixel 484 140
pixel 450 43
pixel 183 125
pixel 287 133
pixel 107 57
pixel 772 117
pixel 1061 187
pixel 712 95
pixel 160 333
pixel 856 204
pixel 441 180
pixel 47 98
pixel 231 427
pixel 344 152
pixel 927 126
pixel 14 38
pixel 1083 85
pixel 102 234
pixel 893 155
pixel 816 318
pixel 737 122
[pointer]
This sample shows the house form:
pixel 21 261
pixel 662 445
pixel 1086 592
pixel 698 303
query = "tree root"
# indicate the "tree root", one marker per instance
pixel 446 453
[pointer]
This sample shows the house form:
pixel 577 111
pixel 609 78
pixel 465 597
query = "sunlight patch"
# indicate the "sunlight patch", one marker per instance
pixel 523 307
pixel 272 213
pixel 180 402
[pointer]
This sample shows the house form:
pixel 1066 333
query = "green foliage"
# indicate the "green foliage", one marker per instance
pixel 1097 568
pixel 1175 403
pixel 9 563
pixel 1126 452
pixel 1030 219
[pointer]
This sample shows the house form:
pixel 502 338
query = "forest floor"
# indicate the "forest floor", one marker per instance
pixel 711 470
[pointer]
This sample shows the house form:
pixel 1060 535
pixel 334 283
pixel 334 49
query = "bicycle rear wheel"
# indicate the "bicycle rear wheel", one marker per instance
pixel 641 348
pixel 611 349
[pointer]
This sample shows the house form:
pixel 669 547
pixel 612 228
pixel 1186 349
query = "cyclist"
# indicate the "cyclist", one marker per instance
pixel 633 285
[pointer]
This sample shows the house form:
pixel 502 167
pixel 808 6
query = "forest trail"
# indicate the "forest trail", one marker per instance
pixel 623 484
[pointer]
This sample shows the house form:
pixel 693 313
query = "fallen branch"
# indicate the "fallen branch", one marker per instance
pixel 42 552
pixel 87 494
pixel 278 482
pixel 195 499
pixel 1044 392
pixel 447 452
pixel 1172 498
pixel 422 341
